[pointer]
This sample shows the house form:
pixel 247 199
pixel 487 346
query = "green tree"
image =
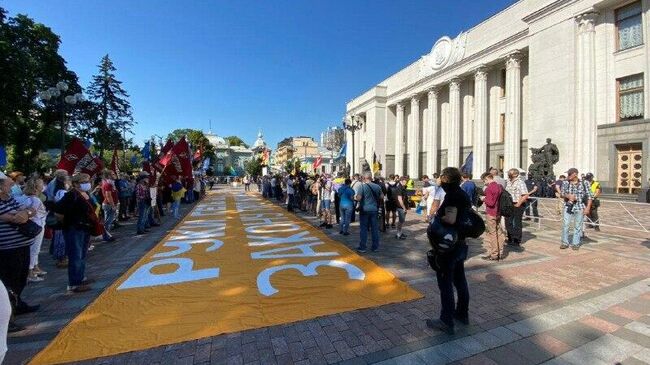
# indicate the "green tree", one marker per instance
pixel 235 141
pixel 253 166
pixel 29 64
pixel 196 138
pixel 114 117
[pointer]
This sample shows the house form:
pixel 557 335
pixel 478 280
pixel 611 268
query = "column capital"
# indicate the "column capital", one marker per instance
pixel 400 106
pixel 513 59
pixel 433 92
pixel 415 99
pixel 454 83
pixel 480 73
pixel 587 21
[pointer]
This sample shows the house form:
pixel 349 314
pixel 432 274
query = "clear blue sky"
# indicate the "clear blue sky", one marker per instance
pixel 287 67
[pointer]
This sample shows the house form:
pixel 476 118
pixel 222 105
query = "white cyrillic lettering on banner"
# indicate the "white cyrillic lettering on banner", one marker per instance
pixel 185 235
pixel 264 278
pixel 143 277
pixel 275 228
pixel 270 240
pixel 305 251
pixel 185 246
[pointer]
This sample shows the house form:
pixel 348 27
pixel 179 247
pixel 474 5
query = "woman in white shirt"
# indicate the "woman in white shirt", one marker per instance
pixel 33 188
pixel 5 315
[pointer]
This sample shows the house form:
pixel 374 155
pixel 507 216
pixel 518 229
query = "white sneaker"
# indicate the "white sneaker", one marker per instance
pixel 33 278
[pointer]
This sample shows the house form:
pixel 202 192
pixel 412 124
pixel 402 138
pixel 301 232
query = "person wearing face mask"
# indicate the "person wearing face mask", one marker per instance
pixel 77 213
pixel 32 190
pixel 14 250
pixel 59 189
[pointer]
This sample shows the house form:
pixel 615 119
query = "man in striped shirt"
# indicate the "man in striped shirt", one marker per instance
pixel 14 249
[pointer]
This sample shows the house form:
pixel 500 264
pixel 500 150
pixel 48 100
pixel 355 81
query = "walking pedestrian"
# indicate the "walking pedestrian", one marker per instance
pixel 400 201
pixel 517 189
pixel 594 186
pixel 531 203
pixel 577 203
pixel 77 213
pixel 495 236
pixel 452 271
pixel 346 206
pixel 368 194
pixel 109 203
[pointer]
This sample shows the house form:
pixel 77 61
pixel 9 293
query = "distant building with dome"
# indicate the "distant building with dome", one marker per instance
pixel 230 160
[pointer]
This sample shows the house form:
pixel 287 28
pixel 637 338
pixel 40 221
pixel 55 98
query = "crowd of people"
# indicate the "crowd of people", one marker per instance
pixel 67 211
pixel 381 204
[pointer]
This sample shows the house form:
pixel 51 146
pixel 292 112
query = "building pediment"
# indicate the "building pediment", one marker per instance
pixel 444 53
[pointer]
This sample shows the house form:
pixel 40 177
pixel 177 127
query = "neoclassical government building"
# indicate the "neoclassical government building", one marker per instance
pixel 575 71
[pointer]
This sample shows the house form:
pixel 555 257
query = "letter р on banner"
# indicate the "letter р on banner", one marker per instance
pixel 235 263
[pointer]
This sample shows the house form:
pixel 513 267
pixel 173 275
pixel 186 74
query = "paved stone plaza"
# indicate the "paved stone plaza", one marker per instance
pixel 539 305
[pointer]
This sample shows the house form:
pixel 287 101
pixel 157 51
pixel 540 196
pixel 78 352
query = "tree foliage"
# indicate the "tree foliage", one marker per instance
pixel 113 109
pixel 29 64
pixel 235 141
pixel 196 138
pixel 253 166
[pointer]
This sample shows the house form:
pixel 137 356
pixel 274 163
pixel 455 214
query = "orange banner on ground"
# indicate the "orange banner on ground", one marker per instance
pixel 236 262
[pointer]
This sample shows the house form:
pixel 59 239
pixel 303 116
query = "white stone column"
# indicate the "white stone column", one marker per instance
pixel 480 149
pixel 431 137
pixel 399 139
pixel 414 138
pixel 453 152
pixel 512 140
pixel 585 124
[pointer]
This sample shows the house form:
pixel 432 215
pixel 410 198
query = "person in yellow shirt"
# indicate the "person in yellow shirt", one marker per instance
pixel 594 186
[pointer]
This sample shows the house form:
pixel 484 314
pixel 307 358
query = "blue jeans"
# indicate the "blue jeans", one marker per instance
pixel 452 276
pixel 76 245
pixel 143 216
pixel 175 206
pixel 346 216
pixel 369 219
pixel 576 220
pixel 109 218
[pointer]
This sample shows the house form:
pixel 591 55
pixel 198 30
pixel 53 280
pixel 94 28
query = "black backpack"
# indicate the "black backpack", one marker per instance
pixel 506 207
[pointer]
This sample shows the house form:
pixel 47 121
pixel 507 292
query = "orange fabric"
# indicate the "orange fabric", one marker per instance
pixel 236 246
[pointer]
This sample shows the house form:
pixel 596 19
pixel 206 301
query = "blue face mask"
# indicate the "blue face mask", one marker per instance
pixel 85 186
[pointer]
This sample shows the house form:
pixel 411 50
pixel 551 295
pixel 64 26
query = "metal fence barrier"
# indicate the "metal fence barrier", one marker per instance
pixel 617 215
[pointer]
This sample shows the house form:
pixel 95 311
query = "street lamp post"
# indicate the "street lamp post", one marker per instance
pixel 352 125
pixel 54 93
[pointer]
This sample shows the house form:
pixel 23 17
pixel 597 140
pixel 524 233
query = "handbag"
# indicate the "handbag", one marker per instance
pixel 29 229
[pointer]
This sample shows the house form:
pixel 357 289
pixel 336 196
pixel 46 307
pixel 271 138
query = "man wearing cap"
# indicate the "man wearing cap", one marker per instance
pixel 594 186
pixel 577 203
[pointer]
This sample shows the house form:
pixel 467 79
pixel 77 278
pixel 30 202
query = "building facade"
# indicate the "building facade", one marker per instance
pixel 230 160
pixel 575 71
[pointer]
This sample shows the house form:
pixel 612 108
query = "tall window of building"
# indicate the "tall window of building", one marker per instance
pixel 630 97
pixel 629 26
pixel 503 82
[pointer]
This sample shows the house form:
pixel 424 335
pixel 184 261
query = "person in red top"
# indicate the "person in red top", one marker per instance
pixel 495 235
pixel 109 204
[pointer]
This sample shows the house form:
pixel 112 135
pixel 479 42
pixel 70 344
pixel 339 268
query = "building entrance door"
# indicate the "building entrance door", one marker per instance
pixel 629 168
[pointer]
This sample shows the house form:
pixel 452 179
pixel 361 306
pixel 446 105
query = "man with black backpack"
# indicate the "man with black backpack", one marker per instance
pixel 400 200
pixel 369 195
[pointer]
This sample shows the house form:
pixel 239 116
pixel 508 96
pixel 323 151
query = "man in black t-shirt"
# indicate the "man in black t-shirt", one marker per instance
pixel 400 200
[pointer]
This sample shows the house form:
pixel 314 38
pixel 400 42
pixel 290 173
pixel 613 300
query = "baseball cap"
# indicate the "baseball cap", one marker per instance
pixel 589 176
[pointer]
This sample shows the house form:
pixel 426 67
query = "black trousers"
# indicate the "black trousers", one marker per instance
pixel 513 225
pixel 337 204
pixel 14 269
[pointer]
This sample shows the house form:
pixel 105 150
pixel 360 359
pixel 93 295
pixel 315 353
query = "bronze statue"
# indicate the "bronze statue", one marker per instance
pixel 543 160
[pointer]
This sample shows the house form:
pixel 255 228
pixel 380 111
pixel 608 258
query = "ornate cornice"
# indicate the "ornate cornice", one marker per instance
pixel 399 106
pixel 547 10
pixel 415 99
pixel 433 92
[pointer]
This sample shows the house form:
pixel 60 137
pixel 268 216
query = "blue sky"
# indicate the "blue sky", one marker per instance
pixel 286 67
